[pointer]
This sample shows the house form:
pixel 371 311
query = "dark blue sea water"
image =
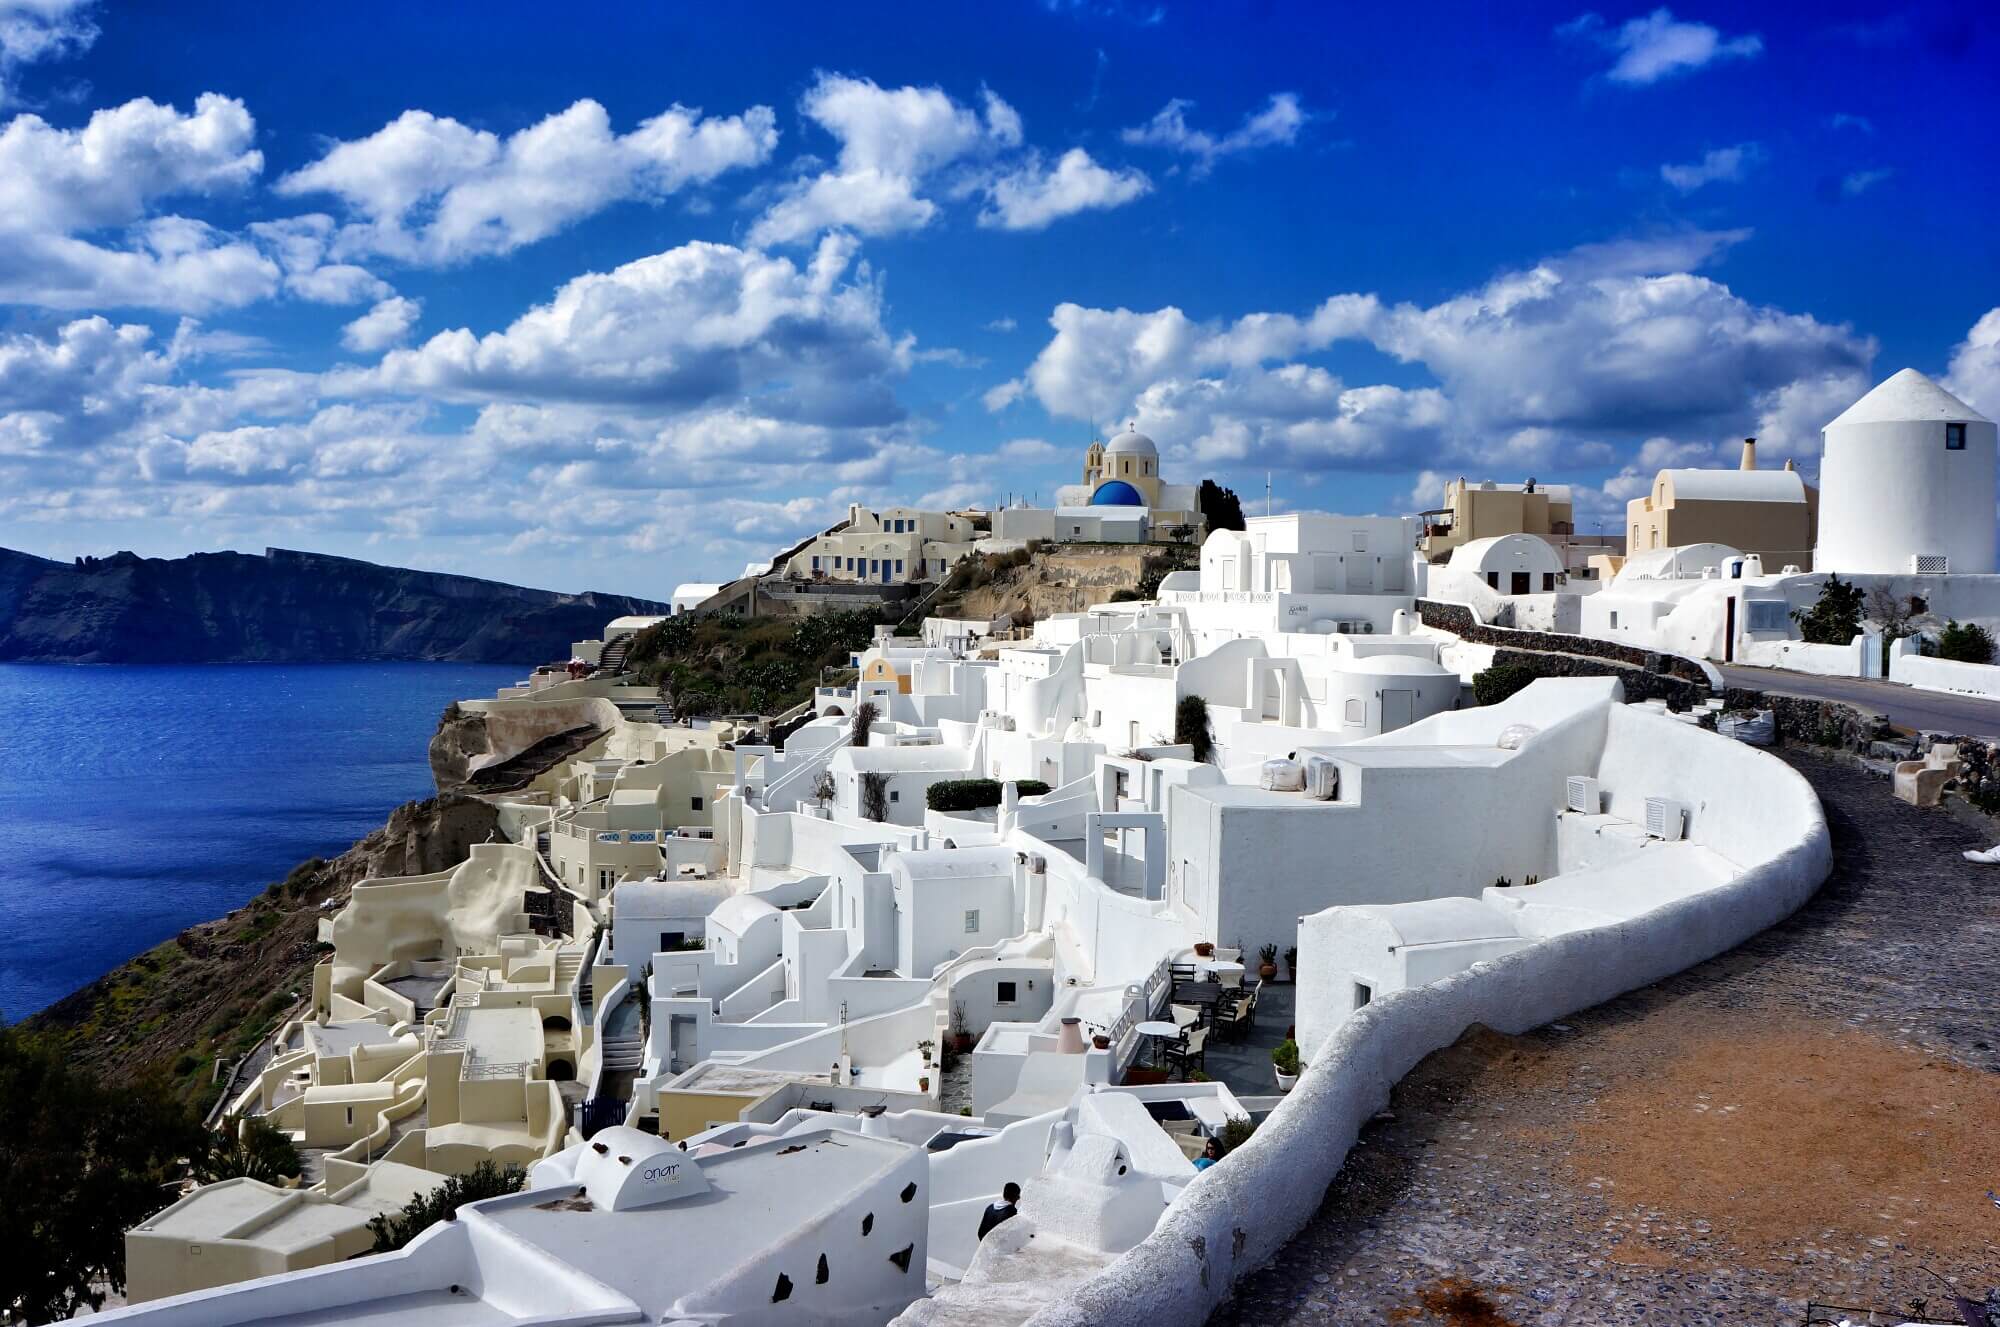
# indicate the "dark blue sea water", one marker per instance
pixel 135 801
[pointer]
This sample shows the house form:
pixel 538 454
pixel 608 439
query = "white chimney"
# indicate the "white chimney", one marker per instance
pixel 1749 453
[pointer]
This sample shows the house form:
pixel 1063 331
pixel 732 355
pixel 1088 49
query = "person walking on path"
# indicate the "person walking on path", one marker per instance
pixel 1003 1211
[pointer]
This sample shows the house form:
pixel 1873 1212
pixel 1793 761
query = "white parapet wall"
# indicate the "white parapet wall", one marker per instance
pixel 1965 679
pixel 1237 1216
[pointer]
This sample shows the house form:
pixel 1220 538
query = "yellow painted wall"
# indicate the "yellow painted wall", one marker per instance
pixel 684 1114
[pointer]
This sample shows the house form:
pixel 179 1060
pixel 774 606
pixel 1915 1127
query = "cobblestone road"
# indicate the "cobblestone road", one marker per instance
pixel 1805 1118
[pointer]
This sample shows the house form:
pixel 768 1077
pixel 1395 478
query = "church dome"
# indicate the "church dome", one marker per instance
pixel 1117 493
pixel 1131 444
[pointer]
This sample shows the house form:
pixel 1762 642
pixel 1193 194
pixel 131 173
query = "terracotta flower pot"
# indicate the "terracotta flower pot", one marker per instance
pixel 1268 971
pixel 1101 1041
pixel 1206 949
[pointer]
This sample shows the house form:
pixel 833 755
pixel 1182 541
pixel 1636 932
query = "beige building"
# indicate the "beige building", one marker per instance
pixel 1772 513
pixel 893 546
pixel 1486 510
pixel 1477 511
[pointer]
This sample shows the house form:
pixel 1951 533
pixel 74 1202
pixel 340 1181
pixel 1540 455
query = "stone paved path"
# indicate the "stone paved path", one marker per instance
pixel 1805 1118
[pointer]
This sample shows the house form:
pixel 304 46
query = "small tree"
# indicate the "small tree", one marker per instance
pixel 1965 642
pixel 862 724
pixel 1181 533
pixel 1895 613
pixel 82 1162
pixel 874 796
pixel 486 1180
pixel 1191 727
pixel 255 1150
pixel 1835 618
pixel 1220 508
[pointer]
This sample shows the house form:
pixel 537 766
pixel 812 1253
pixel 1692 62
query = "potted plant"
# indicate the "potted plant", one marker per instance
pixel 1285 1061
pixel 925 1048
pixel 1292 963
pixel 1101 1041
pixel 1267 962
pixel 924 1083
pixel 1204 948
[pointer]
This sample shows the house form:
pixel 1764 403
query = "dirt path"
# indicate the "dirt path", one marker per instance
pixel 1809 1117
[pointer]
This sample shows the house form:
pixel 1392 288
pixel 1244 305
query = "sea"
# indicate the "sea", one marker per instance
pixel 136 800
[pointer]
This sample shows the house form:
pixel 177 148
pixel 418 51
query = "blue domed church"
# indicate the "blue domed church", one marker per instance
pixel 1122 499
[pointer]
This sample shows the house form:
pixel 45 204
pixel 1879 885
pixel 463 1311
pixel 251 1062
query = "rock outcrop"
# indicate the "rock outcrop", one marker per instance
pixel 283 607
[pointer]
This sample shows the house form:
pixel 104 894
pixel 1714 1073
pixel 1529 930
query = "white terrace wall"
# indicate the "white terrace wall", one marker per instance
pixel 1234 1218
pixel 1967 679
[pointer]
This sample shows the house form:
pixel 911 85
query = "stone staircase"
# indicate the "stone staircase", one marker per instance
pixel 625 1051
pixel 612 660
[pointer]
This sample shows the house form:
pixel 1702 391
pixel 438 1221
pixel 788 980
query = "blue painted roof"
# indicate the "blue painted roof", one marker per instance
pixel 1117 493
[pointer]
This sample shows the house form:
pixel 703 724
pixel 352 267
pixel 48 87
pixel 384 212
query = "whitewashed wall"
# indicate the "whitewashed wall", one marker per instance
pixel 1235 1217
pixel 1966 679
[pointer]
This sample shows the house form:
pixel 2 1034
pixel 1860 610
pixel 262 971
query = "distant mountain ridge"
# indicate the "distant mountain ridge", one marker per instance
pixel 283 607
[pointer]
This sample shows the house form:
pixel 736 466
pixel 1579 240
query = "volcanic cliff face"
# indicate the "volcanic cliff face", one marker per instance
pixel 282 607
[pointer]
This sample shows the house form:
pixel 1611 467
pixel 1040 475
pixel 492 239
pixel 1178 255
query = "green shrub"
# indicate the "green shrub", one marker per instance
pixel 1499 682
pixel 1191 727
pixel 257 1150
pixel 1285 1055
pixel 486 1180
pixel 1835 617
pixel 1965 642
pixel 975 794
pixel 1235 1133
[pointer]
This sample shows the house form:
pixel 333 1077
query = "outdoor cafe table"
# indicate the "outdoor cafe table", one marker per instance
pixel 1159 1030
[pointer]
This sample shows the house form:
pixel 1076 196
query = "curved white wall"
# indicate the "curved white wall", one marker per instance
pixel 1891 490
pixel 1236 1217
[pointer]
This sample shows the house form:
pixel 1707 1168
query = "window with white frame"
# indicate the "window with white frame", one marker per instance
pixel 972 921
pixel 1954 437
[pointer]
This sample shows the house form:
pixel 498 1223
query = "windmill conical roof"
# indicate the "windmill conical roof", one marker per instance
pixel 1907 396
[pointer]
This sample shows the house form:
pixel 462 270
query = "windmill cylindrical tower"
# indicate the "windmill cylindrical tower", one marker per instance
pixel 1906 483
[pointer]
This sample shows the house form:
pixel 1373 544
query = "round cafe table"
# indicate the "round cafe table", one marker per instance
pixel 1159 1030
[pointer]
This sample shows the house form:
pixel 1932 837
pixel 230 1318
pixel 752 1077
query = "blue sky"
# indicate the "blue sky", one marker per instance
pixel 624 299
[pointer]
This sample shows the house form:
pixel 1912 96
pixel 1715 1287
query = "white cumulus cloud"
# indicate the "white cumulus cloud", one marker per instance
pixel 35 30
pixel 1563 361
pixel 1031 197
pixel 76 223
pixel 383 326
pixel 1656 46
pixel 1974 376
pixel 427 189
pixel 893 141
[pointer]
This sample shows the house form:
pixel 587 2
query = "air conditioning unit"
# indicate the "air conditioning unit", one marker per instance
pixel 1581 794
pixel 1929 564
pixel 1665 820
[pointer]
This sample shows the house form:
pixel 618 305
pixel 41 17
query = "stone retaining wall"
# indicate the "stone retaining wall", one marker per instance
pixel 1459 620
pixel 1640 683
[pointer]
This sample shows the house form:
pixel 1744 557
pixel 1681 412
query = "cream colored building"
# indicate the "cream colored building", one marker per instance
pixel 893 546
pixel 1772 513
pixel 244 1228
pixel 1487 510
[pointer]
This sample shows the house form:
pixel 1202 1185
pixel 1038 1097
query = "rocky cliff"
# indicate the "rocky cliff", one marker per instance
pixel 282 607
